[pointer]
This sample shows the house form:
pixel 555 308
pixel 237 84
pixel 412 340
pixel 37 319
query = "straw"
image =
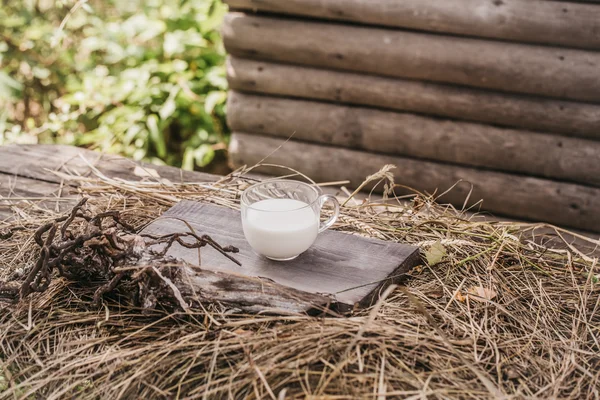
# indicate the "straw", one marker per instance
pixel 492 309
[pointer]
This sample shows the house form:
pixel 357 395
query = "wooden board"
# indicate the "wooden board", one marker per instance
pixel 411 135
pixel 519 196
pixel 38 162
pixel 351 268
pixel 17 190
pixel 525 21
pixel 510 67
pixel 26 174
pixel 538 113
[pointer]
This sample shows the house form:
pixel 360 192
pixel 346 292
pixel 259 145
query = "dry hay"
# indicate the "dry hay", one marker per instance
pixel 491 313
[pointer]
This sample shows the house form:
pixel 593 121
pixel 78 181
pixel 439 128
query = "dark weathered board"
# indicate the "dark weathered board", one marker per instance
pixel 14 190
pixel 26 174
pixel 38 162
pixel 351 268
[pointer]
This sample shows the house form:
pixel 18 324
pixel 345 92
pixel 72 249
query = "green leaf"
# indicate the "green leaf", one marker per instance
pixel 172 44
pixel 435 254
pixel 188 160
pixel 204 155
pixel 156 136
pixel 213 99
pixel 169 107
pixel 41 73
pixel 9 88
pixel 87 8
pixel 216 77
pixel 3 118
pixel 215 18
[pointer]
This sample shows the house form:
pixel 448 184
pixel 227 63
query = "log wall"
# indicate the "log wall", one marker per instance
pixel 524 21
pixel 504 94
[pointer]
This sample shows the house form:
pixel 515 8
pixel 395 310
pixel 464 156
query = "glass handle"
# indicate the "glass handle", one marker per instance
pixel 336 211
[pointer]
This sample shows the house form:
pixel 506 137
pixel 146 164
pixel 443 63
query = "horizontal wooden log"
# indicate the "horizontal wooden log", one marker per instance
pixel 546 71
pixel 507 194
pixel 532 153
pixel 525 21
pixel 521 111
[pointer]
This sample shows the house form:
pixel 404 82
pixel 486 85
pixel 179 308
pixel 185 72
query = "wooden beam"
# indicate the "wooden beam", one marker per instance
pixel 38 162
pixel 531 153
pixel 520 111
pixel 507 194
pixel 15 191
pixel 249 294
pixel 553 72
pixel 525 21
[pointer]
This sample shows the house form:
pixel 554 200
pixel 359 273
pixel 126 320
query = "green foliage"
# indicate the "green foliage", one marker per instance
pixel 142 78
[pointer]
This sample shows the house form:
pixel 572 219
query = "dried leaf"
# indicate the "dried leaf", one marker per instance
pixel 459 296
pixel 480 293
pixel 144 172
pixel 418 270
pixel 166 182
pixel 435 254
pixel 242 332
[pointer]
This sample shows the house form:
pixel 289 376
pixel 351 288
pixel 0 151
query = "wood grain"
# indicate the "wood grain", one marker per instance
pixel 38 162
pixel 519 196
pixel 540 70
pixel 252 295
pixel 16 191
pixel 525 21
pixel 513 110
pixel 352 269
pixel 531 153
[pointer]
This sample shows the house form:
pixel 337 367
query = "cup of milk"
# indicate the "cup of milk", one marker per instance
pixel 281 218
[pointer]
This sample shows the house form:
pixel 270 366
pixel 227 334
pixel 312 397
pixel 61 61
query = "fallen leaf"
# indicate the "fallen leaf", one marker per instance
pixel 144 172
pixel 166 182
pixel 459 296
pixel 480 293
pixel 418 270
pixel 435 254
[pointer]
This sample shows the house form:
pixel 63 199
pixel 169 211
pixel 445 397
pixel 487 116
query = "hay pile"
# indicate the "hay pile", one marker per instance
pixel 491 312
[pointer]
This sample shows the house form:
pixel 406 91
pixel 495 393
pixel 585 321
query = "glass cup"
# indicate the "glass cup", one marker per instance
pixel 281 218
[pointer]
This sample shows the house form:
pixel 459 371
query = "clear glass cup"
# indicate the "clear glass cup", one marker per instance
pixel 281 218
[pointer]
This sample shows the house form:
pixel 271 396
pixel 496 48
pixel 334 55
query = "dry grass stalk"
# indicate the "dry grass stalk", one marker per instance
pixel 539 335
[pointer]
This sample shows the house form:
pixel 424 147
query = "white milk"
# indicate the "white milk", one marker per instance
pixel 288 230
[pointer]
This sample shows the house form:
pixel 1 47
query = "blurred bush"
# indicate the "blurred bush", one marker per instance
pixel 142 78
